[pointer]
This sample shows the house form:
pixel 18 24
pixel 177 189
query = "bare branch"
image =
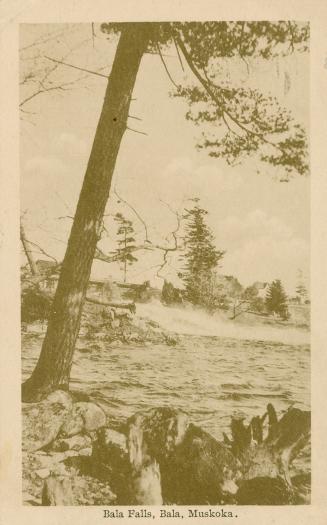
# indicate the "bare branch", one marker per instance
pixel 178 219
pixel 135 212
pixel 174 234
pixel 178 54
pixel 101 256
pixel 45 89
pixel 77 67
pixel 27 120
pixel 27 99
pixel 65 217
pixel 93 33
pixel 136 131
pixel 51 36
pixel 166 69
pixel 146 246
pixel 162 265
pixel 236 312
pixel 30 77
pixel 43 251
pixel 150 245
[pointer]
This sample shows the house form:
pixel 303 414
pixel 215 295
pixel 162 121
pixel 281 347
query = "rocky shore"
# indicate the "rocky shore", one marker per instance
pixel 72 456
pixel 58 438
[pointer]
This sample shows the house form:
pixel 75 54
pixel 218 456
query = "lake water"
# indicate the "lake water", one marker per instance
pixel 211 378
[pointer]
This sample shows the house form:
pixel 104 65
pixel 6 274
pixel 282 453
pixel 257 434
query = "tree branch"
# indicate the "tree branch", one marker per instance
pixel 166 69
pixel 41 82
pixel 136 131
pixel 43 251
pixel 135 212
pixel 27 99
pixel 178 54
pixel 77 67
pixel 219 102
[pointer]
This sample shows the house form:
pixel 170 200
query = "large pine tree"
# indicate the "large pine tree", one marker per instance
pixel 201 256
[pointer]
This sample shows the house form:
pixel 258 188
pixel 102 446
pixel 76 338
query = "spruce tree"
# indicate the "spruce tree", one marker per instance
pixel 125 242
pixel 276 300
pixel 201 256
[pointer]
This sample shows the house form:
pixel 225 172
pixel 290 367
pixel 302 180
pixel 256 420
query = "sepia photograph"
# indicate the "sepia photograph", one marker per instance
pixel 165 264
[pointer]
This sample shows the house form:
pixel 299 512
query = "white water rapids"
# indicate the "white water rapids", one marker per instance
pixel 189 321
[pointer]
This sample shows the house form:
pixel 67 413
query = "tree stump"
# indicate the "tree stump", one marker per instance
pixel 57 490
pixel 196 469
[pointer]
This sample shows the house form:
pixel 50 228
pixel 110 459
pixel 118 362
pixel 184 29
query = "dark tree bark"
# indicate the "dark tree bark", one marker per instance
pixel 53 368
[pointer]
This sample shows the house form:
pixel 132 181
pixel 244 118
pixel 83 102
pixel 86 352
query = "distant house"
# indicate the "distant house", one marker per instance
pixel 262 288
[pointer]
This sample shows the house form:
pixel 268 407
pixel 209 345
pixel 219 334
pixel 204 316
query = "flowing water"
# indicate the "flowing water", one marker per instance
pixel 209 377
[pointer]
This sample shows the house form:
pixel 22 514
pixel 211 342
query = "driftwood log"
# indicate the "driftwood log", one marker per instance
pixel 124 305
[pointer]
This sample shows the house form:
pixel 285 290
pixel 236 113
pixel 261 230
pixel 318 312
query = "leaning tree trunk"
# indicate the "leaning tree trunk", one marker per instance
pixel 55 361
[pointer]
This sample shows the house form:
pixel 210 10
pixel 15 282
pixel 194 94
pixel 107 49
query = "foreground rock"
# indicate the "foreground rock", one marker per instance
pixel 56 431
pixel 43 421
pixel 57 415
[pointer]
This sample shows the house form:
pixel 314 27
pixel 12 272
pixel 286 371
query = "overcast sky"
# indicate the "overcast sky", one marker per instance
pixel 262 223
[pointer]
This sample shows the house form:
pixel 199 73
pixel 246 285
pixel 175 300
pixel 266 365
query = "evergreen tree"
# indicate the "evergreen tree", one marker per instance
pixel 201 256
pixel 170 294
pixel 255 302
pixel 125 242
pixel 276 300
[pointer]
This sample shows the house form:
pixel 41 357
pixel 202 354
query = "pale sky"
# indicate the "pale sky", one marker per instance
pixel 262 223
